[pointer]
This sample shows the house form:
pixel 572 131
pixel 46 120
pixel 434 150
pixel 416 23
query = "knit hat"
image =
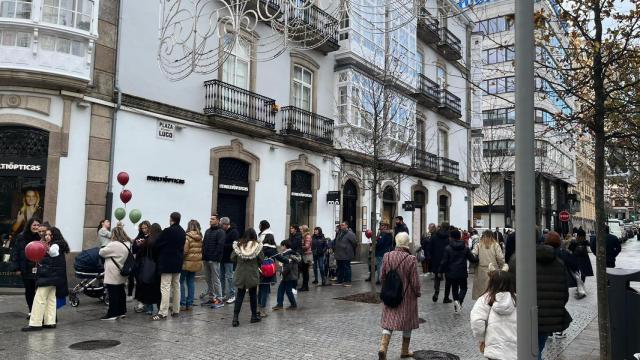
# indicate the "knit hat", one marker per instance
pixel 455 234
pixel 402 240
pixel 553 239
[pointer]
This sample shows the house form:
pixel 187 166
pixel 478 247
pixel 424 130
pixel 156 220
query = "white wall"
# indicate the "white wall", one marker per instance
pixel 140 153
pixel 72 185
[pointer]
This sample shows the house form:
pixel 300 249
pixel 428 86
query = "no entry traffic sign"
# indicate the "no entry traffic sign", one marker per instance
pixel 564 216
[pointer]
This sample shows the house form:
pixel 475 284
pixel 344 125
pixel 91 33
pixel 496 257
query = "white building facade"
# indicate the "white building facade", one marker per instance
pixel 494 124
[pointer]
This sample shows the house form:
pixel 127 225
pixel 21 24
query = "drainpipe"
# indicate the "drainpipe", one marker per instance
pixel 469 114
pixel 109 201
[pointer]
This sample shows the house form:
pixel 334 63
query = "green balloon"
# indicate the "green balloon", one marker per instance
pixel 135 215
pixel 120 213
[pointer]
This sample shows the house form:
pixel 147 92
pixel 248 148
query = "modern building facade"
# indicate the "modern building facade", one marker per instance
pixel 494 145
pixel 83 97
pixel 57 65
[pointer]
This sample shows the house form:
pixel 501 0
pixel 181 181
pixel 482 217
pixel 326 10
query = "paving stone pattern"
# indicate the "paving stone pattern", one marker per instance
pixel 322 328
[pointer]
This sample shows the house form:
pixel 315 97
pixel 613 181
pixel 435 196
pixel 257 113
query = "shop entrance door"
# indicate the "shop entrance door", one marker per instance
pixel 349 204
pixel 235 208
pixel 23 162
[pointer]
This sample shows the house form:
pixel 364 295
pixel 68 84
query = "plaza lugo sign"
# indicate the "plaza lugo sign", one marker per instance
pixel 469 3
pixel 166 130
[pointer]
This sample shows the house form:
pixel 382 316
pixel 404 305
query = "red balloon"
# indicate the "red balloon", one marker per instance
pixel 35 251
pixel 125 196
pixel 123 178
pixel 368 234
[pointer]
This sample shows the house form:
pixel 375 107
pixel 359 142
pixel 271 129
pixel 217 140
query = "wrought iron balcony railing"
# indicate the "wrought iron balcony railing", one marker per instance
pixel 303 123
pixel 450 45
pixel 230 101
pixel 424 160
pixel 451 104
pixel 428 26
pixel 449 168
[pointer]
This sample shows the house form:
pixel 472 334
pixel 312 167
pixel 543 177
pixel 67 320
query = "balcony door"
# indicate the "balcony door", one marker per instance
pixel 236 72
pixel 302 88
pixel 443 143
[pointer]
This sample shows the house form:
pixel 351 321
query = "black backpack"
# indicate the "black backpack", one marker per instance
pixel 392 292
pixel 127 268
pixel 581 249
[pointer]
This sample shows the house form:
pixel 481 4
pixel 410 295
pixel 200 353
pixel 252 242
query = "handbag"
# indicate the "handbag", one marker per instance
pixel 147 269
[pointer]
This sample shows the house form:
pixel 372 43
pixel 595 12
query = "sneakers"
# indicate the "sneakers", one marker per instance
pixel 217 303
pixel 231 300
pixel 292 307
pixel 456 306
pixel 139 308
pixel 122 316
pixel 32 328
pixel 346 284
pixel 560 335
pixel 108 318
pixel 277 307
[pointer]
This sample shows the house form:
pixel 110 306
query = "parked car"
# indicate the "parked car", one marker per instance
pixel 616 229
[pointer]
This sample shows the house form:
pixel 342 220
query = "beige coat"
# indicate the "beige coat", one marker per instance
pixel 492 255
pixel 192 252
pixel 117 251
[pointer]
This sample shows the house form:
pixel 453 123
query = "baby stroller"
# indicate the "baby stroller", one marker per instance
pixel 89 270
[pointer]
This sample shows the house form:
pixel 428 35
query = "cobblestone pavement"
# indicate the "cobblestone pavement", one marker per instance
pixel 322 328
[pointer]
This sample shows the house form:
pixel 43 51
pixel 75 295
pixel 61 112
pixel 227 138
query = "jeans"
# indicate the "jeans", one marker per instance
pixel 187 278
pixel 117 300
pixel 170 290
pixel 542 340
pixel 226 276
pixel 459 289
pixel 344 271
pixel 212 274
pixel 447 285
pixel 378 267
pixel 263 294
pixel 318 264
pixel 252 301
pixel 287 286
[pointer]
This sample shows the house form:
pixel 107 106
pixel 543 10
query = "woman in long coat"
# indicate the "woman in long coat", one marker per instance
pixel 488 251
pixel 247 254
pixel 404 317
pixel 143 247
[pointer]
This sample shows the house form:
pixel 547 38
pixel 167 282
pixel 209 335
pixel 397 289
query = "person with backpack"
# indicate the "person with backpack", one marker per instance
pixel 319 248
pixel 400 292
pixel 579 247
pixel 493 318
pixel 454 266
pixel 116 255
pixel 268 270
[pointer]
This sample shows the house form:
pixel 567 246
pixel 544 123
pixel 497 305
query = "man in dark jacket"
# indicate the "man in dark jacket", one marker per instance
pixel 344 251
pixel 552 292
pixel 295 239
pixel 212 251
pixel 438 243
pixel 227 266
pixel 454 265
pixel 510 246
pixel 400 227
pixel 170 248
pixel 613 247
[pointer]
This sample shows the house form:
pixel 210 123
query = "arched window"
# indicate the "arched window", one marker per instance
pixel 443 209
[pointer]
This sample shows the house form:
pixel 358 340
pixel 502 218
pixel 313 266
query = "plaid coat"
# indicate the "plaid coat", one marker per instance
pixel 405 316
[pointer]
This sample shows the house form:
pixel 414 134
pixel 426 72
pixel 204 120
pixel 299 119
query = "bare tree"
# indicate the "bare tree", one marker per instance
pixel 601 73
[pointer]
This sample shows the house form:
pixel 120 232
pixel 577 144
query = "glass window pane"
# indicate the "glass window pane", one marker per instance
pixel 77 48
pixel 50 15
pixel 23 40
pixel 306 77
pixel 297 73
pixel 66 18
pixel 242 71
pixel 47 43
pixel 8 38
pixel 63 46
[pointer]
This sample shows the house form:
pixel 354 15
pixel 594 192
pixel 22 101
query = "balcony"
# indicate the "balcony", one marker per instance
pixel 450 45
pixel 48 43
pixel 428 93
pixel 425 161
pixel 449 168
pixel 313 28
pixel 231 102
pixel 450 105
pixel 304 124
pixel 427 29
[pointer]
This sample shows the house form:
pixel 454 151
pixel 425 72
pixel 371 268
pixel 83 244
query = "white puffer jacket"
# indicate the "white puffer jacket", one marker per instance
pixel 496 326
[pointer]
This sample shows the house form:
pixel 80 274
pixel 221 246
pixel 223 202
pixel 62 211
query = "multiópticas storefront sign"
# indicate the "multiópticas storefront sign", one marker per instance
pixel 27 167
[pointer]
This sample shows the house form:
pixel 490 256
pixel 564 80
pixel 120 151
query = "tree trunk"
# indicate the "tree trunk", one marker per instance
pixel 374 238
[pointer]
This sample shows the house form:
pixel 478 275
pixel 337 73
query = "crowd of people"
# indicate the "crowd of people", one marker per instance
pixel 158 267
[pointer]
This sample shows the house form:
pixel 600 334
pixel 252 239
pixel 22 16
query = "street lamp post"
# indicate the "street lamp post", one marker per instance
pixel 525 183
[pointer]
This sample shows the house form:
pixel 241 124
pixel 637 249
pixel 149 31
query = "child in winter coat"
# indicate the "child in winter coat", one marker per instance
pixel 290 260
pixel 493 318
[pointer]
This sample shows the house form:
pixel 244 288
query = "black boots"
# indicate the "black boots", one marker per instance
pixel 255 318
pixel 235 322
